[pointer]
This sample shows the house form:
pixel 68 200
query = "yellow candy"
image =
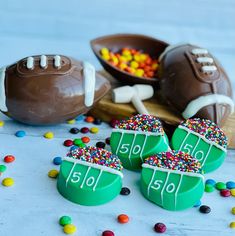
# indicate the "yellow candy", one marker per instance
pixel 7 182
pixel 142 57
pixel 134 64
pixel 122 59
pixel 126 52
pixel 106 57
pixel 104 51
pixel 70 229
pixel 71 122
pixel 53 174
pixel 233 210
pixel 137 57
pixel 1 123
pixel 139 72
pixel 232 225
pixel 94 130
pixel 232 192
pixel 48 135
pixel 122 66
pixel 115 60
pixel 128 58
pixel 154 66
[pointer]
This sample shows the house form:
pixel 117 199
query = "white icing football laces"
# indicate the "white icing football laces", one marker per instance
pixel 89 83
pixel 3 106
pixel 195 105
pixel 57 61
pixel 199 51
pixel 43 61
pixel 30 63
pixel 205 60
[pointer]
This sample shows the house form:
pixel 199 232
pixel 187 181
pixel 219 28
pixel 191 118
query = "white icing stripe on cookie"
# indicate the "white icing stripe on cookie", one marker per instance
pixel 3 106
pixel 202 137
pixel 145 165
pixel 43 61
pixel 103 168
pixel 123 131
pixel 205 60
pixel 57 61
pixel 195 105
pixel 30 63
pixel 177 190
pixel 89 83
pixel 167 49
pixel 199 51
pixel 207 69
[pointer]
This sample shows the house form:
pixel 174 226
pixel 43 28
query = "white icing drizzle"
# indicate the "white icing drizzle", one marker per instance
pixel 145 165
pixel 195 105
pixel 202 137
pixel 167 49
pixel 205 60
pixel 103 168
pixel 199 51
pixel 43 61
pixel 209 69
pixel 3 106
pixel 30 63
pixel 89 83
pixel 136 132
pixel 57 61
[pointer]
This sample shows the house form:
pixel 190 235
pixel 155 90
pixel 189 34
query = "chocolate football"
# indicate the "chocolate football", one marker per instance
pixel 194 83
pixel 49 89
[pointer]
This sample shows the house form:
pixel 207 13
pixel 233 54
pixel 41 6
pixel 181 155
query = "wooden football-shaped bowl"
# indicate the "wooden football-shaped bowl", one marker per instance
pixel 116 42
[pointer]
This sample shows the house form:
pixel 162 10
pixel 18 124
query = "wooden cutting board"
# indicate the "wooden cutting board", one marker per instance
pixel 106 110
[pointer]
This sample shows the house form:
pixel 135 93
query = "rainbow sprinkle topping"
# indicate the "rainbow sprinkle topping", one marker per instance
pixel 141 122
pixel 207 129
pixel 96 155
pixel 175 160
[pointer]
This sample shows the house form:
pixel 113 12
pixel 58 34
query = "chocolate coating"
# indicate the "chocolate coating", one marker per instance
pixel 182 80
pixel 50 94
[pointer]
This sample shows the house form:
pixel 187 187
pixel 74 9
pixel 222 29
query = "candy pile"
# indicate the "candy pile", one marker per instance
pixel 68 227
pixel 175 160
pixel 207 129
pixel 133 61
pixel 141 122
pixel 7 182
pixel 97 156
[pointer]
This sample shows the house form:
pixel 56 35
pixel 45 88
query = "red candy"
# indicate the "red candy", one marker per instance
pixel 113 122
pixel 107 140
pixel 160 228
pixel 225 193
pixel 123 219
pixel 68 143
pixel 108 233
pixel 85 139
pixel 9 158
pixel 84 130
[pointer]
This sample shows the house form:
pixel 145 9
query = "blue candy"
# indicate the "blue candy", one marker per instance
pixel 73 148
pixel 211 182
pixel 57 160
pixel 198 204
pixel 20 133
pixel 79 118
pixel 230 184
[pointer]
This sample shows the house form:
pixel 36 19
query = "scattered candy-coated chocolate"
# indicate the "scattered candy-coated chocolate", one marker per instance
pixel 108 233
pixel 113 123
pixel 97 121
pixel 74 130
pixel 100 145
pixel 232 225
pixel 211 182
pixel 49 135
pixel 160 227
pixel 220 186
pixel 71 122
pixel 85 139
pixel 79 118
pixel 225 193
pixel 53 174
pixel 70 229
pixel 94 130
pixel 125 191
pixel 1 123
pixel 233 210
pixel 90 119
pixel 77 141
pixel 20 133
pixel 230 184
pixel 107 140
pixel 68 143
pixel 2 169
pixel 233 192
pixel 84 130
pixel 57 160
pixel 209 188
pixel 65 220
pixel 205 209
pixel 123 219
pixel 8 182
pixel 9 158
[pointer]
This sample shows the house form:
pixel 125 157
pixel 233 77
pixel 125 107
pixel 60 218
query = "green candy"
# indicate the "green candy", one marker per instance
pixel 77 141
pixel 65 220
pixel 220 186
pixel 209 188
pixel 2 168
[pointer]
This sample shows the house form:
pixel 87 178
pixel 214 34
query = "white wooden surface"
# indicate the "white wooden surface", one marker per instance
pixel 33 205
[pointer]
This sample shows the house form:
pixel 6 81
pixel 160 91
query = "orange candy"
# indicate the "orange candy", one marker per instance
pixel 85 139
pixel 90 119
pixel 123 219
